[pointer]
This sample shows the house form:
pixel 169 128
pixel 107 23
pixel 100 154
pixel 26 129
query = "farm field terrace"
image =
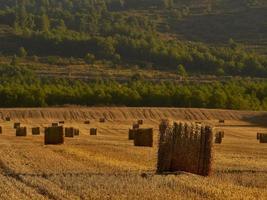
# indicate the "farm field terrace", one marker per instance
pixel 108 166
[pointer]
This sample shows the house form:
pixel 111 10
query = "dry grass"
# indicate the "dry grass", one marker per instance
pixel 110 167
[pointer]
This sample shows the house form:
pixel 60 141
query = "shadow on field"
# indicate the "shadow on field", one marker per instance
pixel 258 120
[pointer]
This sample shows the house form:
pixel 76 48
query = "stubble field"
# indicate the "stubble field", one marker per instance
pixel 108 166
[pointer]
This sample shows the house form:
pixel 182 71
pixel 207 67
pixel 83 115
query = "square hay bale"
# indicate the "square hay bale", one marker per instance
pixel 185 147
pixel 221 121
pixel 143 137
pixel 93 131
pixel 1 130
pixel 61 122
pixel 69 132
pixel 131 134
pixel 16 125
pixel 87 122
pixel 258 136
pixel 54 135
pixel 263 138
pixel 140 122
pixel 102 120
pixel 36 131
pixel 76 132
pixel 21 132
pixel 54 124
pixel 136 126
pixel 8 119
pixel 218 137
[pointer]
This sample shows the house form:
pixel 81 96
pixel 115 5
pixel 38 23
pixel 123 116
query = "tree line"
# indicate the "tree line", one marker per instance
pixel 19 87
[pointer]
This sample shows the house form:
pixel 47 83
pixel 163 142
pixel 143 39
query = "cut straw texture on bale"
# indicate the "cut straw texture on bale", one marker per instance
pixel 35 131
pixel 8 119
pixel 263 138
pixel 16 125
pixel 21 132
pixel 185 147
pixel 131 134
pixel 221 121
pixel 1 130
pixel 61 122
pixel 143 137
pixel 86 122
pixel 93 131
pixel 54 135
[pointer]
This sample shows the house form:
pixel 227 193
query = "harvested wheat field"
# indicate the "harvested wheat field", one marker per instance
pixel 109 166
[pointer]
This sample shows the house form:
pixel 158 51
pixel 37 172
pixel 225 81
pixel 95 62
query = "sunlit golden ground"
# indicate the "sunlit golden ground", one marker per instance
pixel 108 166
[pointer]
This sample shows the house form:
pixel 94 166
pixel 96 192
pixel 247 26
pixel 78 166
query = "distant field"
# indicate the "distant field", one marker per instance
pixel 108 166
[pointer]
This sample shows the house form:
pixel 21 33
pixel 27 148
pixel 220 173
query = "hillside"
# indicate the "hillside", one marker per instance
pixel 203 37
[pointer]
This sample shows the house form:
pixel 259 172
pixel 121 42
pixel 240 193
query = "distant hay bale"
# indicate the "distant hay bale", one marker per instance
pixel 140 122
pixel 54 124
pixel 143 137
pixel 61 122
pixel 185 147
pixel 102 120
pixel 16 125
pixel 69 132
pixel 54 135
pixel 258 136
pixel 131 134
pixel 76 132
pixel 21 132
pixel 263 138
pixel 86 122
pixel 136 126
pixel 218 137
pixel 221 121
pixel 93 131
pixel 36 131
pixel 8 119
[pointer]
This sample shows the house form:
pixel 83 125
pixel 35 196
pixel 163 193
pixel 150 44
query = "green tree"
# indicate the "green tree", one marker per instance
pixel 22 52
pixel 181 71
